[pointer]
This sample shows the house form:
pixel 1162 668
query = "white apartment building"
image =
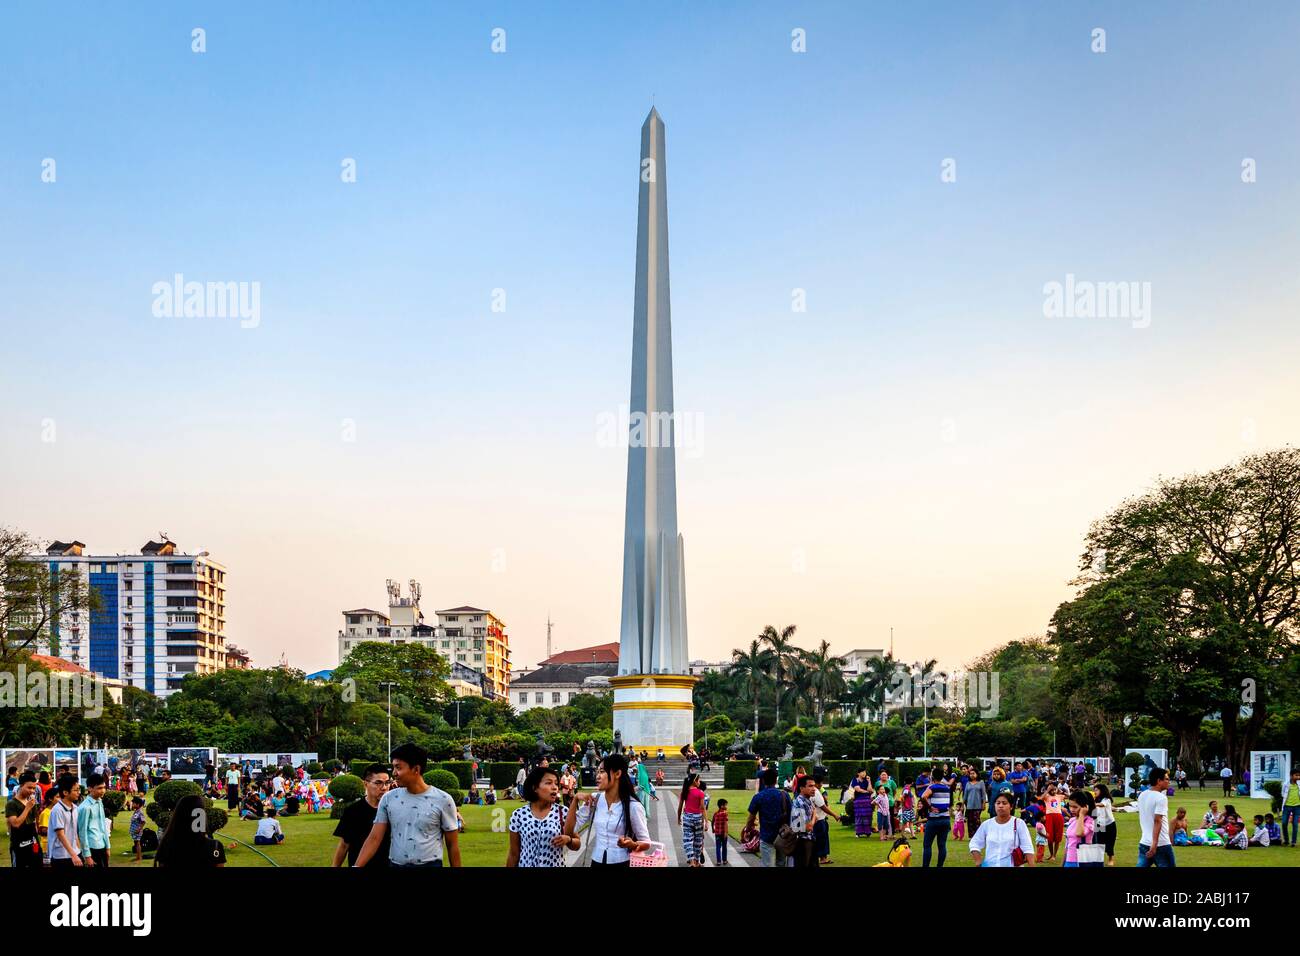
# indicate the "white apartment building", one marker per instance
pixel 470 636
pixel 162 614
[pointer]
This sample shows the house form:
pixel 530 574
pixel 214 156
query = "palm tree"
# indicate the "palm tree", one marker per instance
pixel 858 695
pixel 783 650
pixel 879 679
pixel 797 691
pixel 716 689
pixel 825 677
pixel 752 669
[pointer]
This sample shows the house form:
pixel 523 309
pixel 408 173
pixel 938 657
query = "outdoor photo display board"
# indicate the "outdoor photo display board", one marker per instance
pixel 1152 758
pixel 1266 765
pixel 190 763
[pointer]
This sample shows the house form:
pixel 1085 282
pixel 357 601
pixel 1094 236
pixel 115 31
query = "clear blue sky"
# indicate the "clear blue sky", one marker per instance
pixel 922 434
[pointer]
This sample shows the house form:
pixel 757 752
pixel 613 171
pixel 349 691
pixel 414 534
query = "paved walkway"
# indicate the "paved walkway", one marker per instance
pixel 665 829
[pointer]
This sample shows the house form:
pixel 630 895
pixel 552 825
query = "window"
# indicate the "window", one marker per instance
pixel 537 697
pixel 555 697
pixel 523 697
pixel 572 694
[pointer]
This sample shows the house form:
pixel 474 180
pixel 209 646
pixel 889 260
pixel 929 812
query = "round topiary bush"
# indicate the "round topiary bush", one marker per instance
pixel 332 764
pixel 217 818
pixel 313 768
pixel 320 775
pixel 114 801
pixel 166 794
pixel 455 795
pixel 336 812
pixel 443 780
pixel 346 788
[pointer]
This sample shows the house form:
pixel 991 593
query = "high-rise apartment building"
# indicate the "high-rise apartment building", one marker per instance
pixel 161 614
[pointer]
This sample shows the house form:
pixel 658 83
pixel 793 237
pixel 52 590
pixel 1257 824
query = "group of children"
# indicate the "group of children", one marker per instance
pixel 1225 828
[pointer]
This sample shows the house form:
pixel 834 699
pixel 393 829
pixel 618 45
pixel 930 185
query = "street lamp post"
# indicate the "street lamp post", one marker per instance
pixel 389 685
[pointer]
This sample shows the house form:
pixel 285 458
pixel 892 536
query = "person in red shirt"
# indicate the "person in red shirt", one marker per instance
pixel 720 834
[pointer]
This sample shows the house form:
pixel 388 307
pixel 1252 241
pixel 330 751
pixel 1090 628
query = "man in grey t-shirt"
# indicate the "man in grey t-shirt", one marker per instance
pixel 421 818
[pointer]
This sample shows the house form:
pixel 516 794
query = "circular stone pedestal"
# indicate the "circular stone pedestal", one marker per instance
pixel 654 710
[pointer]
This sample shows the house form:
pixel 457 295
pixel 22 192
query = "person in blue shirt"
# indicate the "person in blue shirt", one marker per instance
pixel 1019 781
pixel 771 808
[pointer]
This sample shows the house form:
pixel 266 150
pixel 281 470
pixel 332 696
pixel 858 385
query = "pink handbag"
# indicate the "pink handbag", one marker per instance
pixel 655 856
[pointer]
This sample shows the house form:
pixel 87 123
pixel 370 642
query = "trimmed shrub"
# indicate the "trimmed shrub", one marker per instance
pixel 332 764
pixel 346 788
pixel 114 801
pixel 502 774
pixel 463 770
pixel 442 779
pixel 217 818
pixel 455 795
pixel 735 773
pixel 336 811
pixel 314 768
pixel 1274 788
pixel 840 772
pixel 320 775
pixel 166 794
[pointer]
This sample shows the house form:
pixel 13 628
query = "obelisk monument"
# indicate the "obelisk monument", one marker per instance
pixel 652 692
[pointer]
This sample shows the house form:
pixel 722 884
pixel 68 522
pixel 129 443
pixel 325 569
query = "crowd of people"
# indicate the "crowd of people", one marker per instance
pixel 1013 813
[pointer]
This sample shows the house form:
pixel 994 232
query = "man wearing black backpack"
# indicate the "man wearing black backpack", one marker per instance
pixel 771 808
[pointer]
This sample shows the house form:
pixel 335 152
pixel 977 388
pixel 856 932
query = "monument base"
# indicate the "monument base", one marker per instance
pixel 654 711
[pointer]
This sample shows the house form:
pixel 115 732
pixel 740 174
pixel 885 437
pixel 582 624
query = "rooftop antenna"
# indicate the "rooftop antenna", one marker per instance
pixel 548 635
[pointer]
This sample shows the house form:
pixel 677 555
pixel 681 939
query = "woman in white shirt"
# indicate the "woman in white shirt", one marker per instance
pixel 999 835
pixel 618 820
pixel 1104 814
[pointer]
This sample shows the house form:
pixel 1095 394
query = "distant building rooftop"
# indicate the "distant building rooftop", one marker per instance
pixel 565 674
pixel 597 654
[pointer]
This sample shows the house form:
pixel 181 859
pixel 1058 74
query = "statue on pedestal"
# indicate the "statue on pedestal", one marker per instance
pixel 468 754
pixel 743 746
pixel 590 759
pixel 815 758
pixel 543 748
pixel 618 742
pixel 789 752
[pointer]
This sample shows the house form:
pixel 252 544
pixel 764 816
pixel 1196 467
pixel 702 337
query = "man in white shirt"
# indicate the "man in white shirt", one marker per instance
pixel 268 830
pixel 419 818
pixel 1226 776
pixel 1154 846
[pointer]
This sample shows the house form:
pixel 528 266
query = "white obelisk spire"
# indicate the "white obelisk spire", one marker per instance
pixel 653 635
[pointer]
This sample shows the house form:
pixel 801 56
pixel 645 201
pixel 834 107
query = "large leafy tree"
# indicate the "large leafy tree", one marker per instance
pixel 419 673
pixel 1190 594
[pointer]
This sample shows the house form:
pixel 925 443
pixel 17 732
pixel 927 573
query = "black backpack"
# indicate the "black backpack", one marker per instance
pixel 148 841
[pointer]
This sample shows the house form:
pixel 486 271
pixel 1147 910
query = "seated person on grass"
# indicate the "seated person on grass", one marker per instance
pixel 268 831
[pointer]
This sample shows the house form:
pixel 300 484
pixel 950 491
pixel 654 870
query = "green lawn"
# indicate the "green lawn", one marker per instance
pixel 848 850
pixel 309 839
